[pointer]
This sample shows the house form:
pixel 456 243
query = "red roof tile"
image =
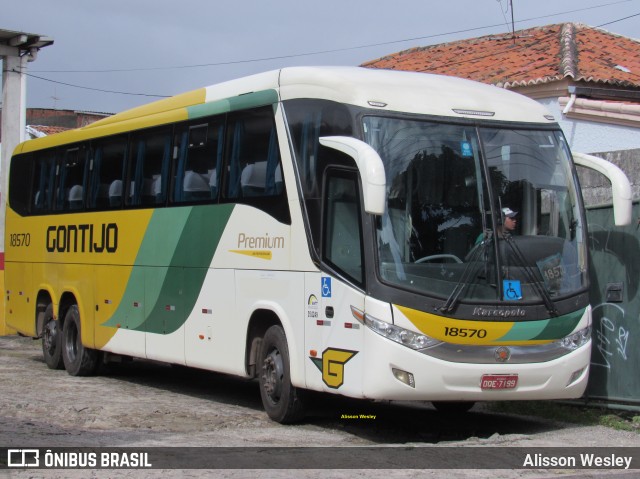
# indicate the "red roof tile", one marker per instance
pixel 535 55
pixel 49 130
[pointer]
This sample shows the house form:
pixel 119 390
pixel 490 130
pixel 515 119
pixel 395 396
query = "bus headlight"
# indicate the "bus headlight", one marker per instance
pixel 399 335
pixel 577 339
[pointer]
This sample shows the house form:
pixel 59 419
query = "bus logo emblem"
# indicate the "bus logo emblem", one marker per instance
pixel 332 365
pixel 502 354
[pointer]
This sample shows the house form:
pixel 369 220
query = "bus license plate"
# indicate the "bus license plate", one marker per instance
pixel 499 381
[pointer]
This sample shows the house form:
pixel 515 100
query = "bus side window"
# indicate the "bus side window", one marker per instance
pixel 342 244
pixel 254 168
pixel 43 181
pixel 108 162
pixel 71 182
pixel 199 156
pixel 149 168
pixel 23 186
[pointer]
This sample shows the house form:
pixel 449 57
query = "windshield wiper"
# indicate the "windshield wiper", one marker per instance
pixel 453 299
pixel 531 277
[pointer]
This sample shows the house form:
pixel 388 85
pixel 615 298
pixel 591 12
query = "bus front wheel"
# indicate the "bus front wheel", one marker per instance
pixel 78 360
pixel 52 340
pixel 280 398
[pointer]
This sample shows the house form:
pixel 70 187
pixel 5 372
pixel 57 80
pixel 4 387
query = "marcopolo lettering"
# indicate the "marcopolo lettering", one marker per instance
pixel 502 313
pixel 85 238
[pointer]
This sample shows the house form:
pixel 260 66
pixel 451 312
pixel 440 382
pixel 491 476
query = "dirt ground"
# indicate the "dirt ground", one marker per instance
pixel 145 404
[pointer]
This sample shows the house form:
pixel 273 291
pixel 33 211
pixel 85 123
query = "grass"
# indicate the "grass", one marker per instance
pixel 591 415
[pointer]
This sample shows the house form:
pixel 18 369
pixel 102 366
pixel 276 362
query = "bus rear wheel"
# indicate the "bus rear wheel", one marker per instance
pixel 280 398
pixel 52 340
pixel 78 360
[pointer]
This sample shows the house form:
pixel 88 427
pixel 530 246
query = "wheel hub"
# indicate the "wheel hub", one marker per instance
pixel 272 373
pixel 49 335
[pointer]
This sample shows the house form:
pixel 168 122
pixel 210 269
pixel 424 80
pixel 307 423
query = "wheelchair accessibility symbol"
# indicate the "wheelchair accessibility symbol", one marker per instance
pixel 326 287
pixel 512 290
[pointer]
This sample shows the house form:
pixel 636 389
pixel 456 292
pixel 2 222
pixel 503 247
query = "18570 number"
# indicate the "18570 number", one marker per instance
pixel 19 239
pixel 465 332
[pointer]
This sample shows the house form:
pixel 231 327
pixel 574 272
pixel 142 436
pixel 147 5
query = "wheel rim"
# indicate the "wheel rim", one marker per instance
pixel 50 335
pixel 272 374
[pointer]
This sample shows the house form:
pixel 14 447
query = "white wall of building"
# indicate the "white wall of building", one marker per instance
pixel 592 136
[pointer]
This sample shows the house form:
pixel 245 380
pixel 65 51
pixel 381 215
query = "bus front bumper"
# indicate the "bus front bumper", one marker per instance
pixel 414 375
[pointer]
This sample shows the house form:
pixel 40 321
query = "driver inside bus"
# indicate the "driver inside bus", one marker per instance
pixel 509 222
pixel 506 225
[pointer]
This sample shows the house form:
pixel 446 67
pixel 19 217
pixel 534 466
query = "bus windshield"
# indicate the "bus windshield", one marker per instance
pixel 478 213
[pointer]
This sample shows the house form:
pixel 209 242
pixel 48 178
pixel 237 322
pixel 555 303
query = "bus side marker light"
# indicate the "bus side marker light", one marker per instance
pixel 207 311
pixel 313 353
pixel 359 315
pixel 351 326
pixel 201 336
pixel 404 377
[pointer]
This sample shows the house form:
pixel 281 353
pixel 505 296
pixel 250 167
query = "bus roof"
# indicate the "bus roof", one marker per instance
pixel 411 92
pixel 386 90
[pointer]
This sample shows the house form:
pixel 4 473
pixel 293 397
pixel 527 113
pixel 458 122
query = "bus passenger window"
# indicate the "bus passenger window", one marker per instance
pixel 43 180
pixel 106 175
pixel 199 158
pixel 149 168
pixel 71 179
pixel 254 157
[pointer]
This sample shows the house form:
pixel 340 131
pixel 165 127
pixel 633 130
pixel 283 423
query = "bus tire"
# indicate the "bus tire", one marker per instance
pixel 280 398
pixel 52 340
pixel 78 360
pixel 453 407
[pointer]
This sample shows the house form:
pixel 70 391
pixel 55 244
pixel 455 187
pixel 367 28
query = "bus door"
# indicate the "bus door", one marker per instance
pixel 334 335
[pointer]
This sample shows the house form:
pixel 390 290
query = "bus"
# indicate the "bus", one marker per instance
pixel 330 229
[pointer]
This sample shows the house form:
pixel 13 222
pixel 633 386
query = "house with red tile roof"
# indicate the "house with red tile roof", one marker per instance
pixel 47 121
pixel 587 77
pixel 38 131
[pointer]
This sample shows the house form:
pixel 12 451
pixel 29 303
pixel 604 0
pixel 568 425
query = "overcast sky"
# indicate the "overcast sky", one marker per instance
pixel 165 47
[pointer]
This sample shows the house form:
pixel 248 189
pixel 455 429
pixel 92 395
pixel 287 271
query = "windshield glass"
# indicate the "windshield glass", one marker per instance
pixel 478 213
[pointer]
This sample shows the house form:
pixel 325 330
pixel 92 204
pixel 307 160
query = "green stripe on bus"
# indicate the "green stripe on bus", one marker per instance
pixel 525 330
pixel 242 102
pixel 546 329
pixel 562 326
pixel 171 266
pixel 181 285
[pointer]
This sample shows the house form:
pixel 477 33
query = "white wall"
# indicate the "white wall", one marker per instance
pixel 590 136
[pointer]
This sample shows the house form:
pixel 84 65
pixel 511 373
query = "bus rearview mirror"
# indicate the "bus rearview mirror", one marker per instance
pixel 620 185
pixel 370 167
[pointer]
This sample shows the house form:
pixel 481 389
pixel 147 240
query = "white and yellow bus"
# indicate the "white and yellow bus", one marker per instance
pixel 326 229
